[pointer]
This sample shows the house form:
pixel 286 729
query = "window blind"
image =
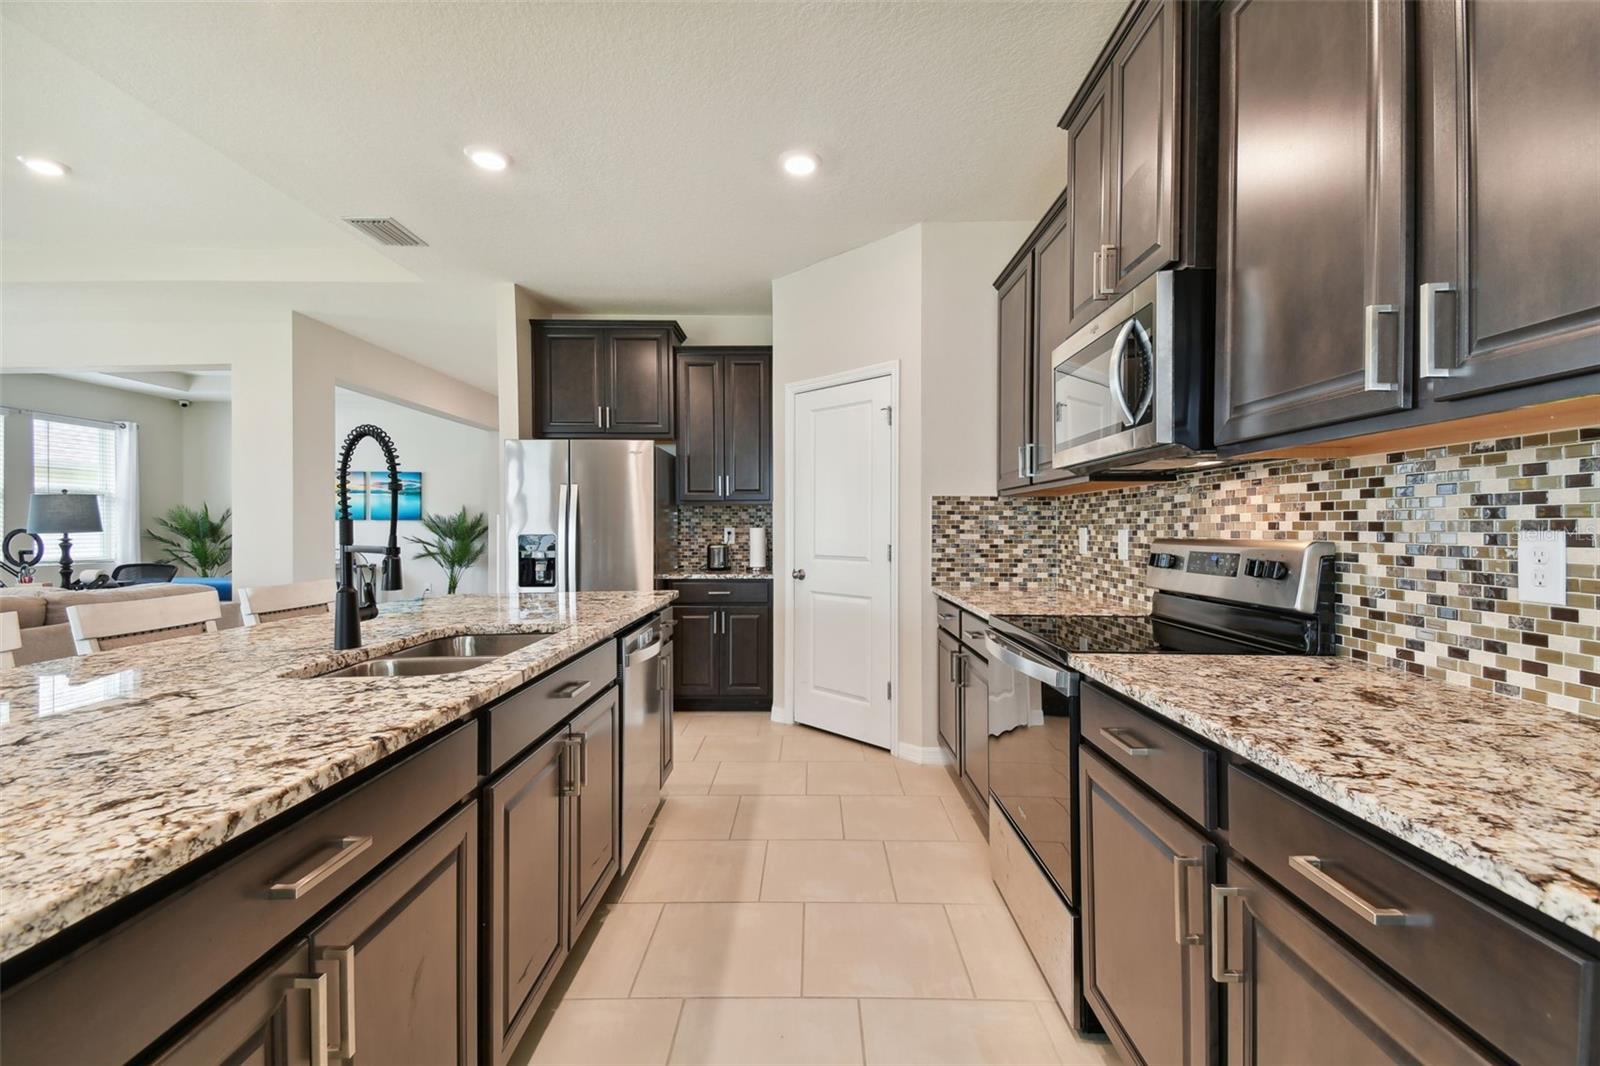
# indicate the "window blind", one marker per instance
pixel 78 457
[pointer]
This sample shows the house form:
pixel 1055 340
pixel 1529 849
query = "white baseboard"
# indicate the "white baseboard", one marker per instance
pixel 781 715
pixel 933 756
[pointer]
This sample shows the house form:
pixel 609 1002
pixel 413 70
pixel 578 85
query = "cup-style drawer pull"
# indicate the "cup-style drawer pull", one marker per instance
pixel 345 850
pixel 1125 741
pixel 1311 868
pixel 571 690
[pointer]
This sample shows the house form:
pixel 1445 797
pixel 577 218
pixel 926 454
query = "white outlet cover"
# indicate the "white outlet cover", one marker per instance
pixel 1542 566
pixel 1123 550
pixel 1083 540
pixel 727 534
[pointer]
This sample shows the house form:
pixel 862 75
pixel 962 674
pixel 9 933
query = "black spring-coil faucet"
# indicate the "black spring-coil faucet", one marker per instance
pixel 348 611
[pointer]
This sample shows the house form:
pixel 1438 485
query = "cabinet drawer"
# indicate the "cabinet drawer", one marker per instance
pixel 1179 771
pixel 1531 997
pixel 722 593
pixel 137 981
pixel 538 707
pixel 972 630
pixel 949 616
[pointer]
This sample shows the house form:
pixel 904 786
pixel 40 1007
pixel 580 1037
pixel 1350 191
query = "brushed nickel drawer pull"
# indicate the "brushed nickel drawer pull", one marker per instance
pixel 1219 936
pixel 719 592
pixel 316 989
pixel 1181 865
pixel 1311 868
pixel 1126 741
pixel 345 959
pixel 571 690
pixel 347 848
pixel 583 762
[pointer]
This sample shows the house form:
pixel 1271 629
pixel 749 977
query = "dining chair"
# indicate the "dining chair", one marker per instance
pixel 273 603
pixel 10 639
pixel 124 623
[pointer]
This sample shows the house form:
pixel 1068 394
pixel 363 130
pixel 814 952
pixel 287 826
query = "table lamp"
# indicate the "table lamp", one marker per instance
pixel 65 513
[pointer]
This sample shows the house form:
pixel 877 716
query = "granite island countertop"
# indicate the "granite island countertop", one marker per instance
pixel 716 575
pixel 121 767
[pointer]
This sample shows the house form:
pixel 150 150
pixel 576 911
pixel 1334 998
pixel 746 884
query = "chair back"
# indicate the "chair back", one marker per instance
pixel 123 623
pixel 10 639
pixel 144 573
pixel 272 603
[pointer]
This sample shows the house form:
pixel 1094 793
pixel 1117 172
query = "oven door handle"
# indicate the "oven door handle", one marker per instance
pixel 1008 653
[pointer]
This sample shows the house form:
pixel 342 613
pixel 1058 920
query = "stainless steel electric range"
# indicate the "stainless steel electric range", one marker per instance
pixel 1216 597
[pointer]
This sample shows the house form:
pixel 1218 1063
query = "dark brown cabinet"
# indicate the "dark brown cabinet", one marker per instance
pixel 948 665
pixel 1088 184
pixel 724 424
pixel 401 956
pixel 273 1021
pixel 1142 192
pixel 722 646
pixel 1313 255
pixel 599 378
pixel 1295 994
pixel 1508 157
pixel 1145 874
pixel 596 806
pixel 1016 373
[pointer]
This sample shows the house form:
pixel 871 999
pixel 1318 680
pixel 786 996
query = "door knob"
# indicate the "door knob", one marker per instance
pixel 798 575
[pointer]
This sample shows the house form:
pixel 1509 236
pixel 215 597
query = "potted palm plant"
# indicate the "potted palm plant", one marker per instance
pixel 194 539
pixel 458 543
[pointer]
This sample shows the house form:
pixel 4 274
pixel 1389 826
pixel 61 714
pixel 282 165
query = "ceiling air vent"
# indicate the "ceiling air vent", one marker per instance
pixel 387 231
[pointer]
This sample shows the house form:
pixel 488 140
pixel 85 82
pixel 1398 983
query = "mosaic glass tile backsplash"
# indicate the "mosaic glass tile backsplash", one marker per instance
pixel 1427 539
pixel 699 524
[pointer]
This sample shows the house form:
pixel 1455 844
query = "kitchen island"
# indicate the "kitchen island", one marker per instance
pixel 135 780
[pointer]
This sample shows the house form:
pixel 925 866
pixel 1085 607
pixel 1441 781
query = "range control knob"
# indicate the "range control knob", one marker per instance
pixel 1276 571
pixel 1252 568
pixel 1165 561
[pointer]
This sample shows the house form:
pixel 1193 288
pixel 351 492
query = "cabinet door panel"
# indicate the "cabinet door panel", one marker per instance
pixel 1087 177
pixel 747 651
pixel 568 381
pixel 1052 286
pixel 1144 870
pixel 1511 183
pixel 695 654
pixel 639 384
pixel 414 935
pixel 975 727
pixel 596 808
pixel 1144 189
pixel 1016 369
pixel 268 1023
pixel 1304 998
pixel 700 429
pixel 747 427
pixel 949 700
pixel 526 941
pixel 1314 215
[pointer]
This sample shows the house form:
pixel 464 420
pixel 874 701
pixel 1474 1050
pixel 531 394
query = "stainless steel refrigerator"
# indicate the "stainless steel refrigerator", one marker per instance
pixel 587 515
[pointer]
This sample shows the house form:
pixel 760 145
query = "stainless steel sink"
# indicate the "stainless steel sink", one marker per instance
pixel 415 666
pixel 470 644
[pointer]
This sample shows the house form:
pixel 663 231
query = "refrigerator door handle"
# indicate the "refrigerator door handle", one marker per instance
pixel 562 545
pixel 574 528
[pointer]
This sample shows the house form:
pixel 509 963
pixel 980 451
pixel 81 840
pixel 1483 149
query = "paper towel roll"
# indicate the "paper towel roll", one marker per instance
pixel 758 548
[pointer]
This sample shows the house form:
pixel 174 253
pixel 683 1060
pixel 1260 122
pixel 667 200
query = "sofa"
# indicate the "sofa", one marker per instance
pixel 42 613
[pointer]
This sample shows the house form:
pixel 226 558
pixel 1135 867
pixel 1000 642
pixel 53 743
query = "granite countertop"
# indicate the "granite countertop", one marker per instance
pixel 1500 789
pixel 716 575
pixel 121 767
pixel 989 602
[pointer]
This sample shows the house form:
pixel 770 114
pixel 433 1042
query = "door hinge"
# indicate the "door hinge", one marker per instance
pixel 891 553
pixel 889 686
pixel 889 412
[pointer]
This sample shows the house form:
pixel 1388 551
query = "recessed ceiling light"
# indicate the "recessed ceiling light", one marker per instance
pixel 800 164
pixel 48 168
pixel 487 158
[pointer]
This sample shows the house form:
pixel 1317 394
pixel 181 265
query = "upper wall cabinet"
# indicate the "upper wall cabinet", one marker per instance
pixel 1139 159
pixel 1508 273
pixel 724 431
pixel 1312 249
pixel 596 378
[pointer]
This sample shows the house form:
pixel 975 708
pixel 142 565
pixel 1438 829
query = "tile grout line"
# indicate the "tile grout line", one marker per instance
pixel 648 943
pixel 965 969
pixel 861 1030
pixel 677 1024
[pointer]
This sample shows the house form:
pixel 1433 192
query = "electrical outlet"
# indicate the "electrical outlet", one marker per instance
pixel 1083 540
pixel 1123 550
pixel 727 534
pixel 1542 566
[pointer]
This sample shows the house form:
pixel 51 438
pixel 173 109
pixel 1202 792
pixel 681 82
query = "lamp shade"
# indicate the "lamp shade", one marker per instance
pixel 64 512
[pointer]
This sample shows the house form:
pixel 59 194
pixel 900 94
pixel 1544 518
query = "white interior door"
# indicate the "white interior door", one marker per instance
pixel 843 608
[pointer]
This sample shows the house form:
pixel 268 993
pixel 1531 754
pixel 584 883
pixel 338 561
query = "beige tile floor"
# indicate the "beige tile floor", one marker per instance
pixel 804 899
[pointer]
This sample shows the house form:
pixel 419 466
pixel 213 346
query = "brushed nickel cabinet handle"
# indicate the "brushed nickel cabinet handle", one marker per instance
pixel 1219 936
pixel 345 850
pixel 1311 868
pixel 1181 865
pixel 1126 741
pixel 316 989
pixel 345 959
pixel 1374 379
pixel 719 592
pixel 572 690
pixel 1105 286
pixel 599 418
pixel 1427 338
pixel 567 773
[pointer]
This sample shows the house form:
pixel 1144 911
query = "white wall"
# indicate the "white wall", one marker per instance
pixel 207 454
pixel 458 464
pixel 924 298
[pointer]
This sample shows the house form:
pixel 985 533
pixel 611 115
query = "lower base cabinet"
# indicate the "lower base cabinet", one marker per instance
pixel 596 806
pixel 723 645
pixel 275 1021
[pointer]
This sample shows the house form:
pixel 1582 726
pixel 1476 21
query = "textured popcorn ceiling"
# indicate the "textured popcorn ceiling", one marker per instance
pixel 1427 543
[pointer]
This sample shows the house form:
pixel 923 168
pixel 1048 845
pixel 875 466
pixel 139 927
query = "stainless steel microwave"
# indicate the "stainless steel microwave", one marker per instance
pixel 1133 388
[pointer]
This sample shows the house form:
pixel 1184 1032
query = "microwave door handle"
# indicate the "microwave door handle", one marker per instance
pixel 1143 340
pixel 1116 372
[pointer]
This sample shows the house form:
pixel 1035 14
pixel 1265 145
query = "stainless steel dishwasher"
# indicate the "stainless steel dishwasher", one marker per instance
pixel 645 652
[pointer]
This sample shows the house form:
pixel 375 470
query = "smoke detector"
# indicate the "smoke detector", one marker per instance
pixel 388 231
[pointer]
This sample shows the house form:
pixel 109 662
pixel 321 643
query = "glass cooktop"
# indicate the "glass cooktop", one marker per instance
pixel 1113 634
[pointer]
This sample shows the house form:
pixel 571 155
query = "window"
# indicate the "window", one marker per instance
pixel 78 457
